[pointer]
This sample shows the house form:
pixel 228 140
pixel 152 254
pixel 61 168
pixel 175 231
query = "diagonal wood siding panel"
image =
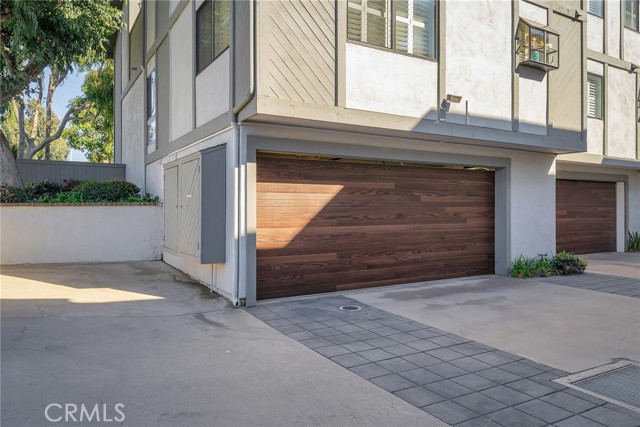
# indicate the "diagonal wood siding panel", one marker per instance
pixel 189 211
pixel 331 226
pixel 301 50
pixel 171 208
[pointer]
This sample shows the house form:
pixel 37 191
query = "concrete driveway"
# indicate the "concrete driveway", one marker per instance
pixel 567 327
pixel 145 336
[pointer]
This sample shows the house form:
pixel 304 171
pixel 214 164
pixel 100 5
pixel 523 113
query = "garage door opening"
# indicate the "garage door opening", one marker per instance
pixel 585 216
pixel 326 226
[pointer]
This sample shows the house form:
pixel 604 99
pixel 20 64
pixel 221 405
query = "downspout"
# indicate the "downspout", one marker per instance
pixel 235 299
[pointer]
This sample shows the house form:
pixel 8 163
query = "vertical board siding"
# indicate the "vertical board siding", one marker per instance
pixel 329 226
pixel 301 50
pixel 585 216
pixel 189 207
pixel 58 171
pixel 242 57
pixel 171 208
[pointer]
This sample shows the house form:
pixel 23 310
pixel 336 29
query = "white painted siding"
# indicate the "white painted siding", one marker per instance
pixel 621 113
pixel 595 136
pixel 133 133
pixel 532 101
pixel 181 48
pixel 411 91
pixel 479 61
pixel 212 90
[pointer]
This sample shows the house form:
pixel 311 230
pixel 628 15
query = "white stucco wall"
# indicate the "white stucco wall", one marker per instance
pixel 631 46
pixel 64 234
pixel 595 136
pixel 133 133
pixel 387 82
pixel 219 277
pixel 155 178
pixel 181 48
pixel 533 204
pixel 479 61
pixel 532 101
pixel 595 33
pixel 532 12
pixel 212 90
pixel 621 113
pixel 613 27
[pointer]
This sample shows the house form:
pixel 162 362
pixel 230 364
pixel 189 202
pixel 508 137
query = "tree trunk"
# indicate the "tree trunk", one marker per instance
pixel 9 173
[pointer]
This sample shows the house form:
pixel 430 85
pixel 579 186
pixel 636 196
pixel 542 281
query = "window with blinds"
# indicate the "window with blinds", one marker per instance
pixel 596 7
pixel 631 13
pixel 412 21
pixel 594 103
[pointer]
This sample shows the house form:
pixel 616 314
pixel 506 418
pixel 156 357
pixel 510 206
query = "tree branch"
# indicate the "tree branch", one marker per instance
pixel 68 116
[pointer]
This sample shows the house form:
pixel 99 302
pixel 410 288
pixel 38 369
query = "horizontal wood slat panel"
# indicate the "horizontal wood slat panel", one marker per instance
pixel 326 226
pixel 585 216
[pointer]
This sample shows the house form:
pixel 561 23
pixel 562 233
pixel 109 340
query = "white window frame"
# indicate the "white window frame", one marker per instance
pixel 598 96
pixel 152 107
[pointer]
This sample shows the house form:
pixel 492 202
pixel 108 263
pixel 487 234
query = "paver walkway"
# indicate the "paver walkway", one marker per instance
pixel 462 382
pixel 617 285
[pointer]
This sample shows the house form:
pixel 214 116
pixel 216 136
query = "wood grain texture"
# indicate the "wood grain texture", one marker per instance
pixel 585 216
pixel 324 226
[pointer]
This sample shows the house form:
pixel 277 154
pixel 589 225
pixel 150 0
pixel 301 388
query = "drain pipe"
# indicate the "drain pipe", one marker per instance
pixel 239 190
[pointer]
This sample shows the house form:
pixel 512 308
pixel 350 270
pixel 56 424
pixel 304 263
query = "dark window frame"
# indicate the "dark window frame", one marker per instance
pixel 203 63
pixel 392 23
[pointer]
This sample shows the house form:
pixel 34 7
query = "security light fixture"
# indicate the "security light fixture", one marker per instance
pixel 454 98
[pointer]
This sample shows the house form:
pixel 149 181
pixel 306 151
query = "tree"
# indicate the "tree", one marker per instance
pixel 35 35
pixel 92 129
pixel 32 113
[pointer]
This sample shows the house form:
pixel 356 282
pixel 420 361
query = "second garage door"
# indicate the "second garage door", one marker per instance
pixel 585 216
pixel 327 226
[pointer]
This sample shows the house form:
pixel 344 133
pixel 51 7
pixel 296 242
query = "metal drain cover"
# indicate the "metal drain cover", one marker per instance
pixel 617 383
pixel 350 308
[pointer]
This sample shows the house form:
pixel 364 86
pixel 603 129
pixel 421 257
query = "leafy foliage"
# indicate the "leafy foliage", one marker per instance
pixel 74 196
pixel 565 263
pixel 109 191
pixel 9 194
pixel 50 33
pixel 92 128
pixel 43 188
pixel 633 242
pixel 562 263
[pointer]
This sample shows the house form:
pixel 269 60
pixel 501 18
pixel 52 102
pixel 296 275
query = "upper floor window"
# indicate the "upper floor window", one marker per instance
pixel 152 107
pixel 594 96
pixel 212 31
pixel 596 7
pixel 402 25
pixel 537 45
pixel 631 13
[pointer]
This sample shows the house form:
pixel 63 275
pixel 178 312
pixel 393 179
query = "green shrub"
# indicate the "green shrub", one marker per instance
pixel 71 184
pixel 109 191
pixel 633 242
pixel 74 196
pixel 524 267
pixel 9 194
pixel 36 190
pixel 565 263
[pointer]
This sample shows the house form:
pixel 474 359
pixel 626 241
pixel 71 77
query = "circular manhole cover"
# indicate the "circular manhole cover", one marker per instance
pixel 350 308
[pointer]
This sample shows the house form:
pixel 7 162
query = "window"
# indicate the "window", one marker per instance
pixel 594 104
pixel 596 7
pixel 212 31
pixel 411 31
pixel 631 14
pixel 538 46
pixel 152 107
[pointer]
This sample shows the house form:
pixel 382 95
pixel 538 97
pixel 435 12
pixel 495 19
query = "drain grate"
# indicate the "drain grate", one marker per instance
pixel 618 383
pixel 350 308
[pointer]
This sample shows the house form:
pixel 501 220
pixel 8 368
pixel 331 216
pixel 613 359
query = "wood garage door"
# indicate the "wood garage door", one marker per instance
pixel 327 226
pixel 585 216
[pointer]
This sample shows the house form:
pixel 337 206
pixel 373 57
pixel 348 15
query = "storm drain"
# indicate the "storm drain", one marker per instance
pixel 618 383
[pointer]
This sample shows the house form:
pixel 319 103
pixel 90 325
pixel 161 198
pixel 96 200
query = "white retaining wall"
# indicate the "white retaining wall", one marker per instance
pixel 41 234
